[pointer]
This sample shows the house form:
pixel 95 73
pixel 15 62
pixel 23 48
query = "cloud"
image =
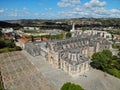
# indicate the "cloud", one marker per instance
pixel 14 14
pixel 93 8
pixel 68 3
pixel 1 10
pixel 115 11
pixel 48 9
pixel 19 12
pixel 94 3
pixel 70 9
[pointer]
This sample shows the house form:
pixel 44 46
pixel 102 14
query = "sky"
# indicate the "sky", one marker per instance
pixel 58 9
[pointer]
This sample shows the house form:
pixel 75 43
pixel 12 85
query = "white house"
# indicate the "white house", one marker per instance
pixel 101 33
pixel 7 30
pixel 31 28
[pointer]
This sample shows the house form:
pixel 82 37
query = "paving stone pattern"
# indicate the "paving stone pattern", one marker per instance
pixel 19 74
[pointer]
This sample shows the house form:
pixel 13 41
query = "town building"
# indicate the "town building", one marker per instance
pixel 7 30
pixel 22 42
pixel 8 36
pixel 117 37
pixel 27 42
pixel 33 48
pixel 36 48
pixel 103 34
pixel 76 33
pixel 31 28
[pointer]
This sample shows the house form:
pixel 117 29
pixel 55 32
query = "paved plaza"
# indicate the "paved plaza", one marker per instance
pixel 21 71
pixel 92 80
pixel 19 74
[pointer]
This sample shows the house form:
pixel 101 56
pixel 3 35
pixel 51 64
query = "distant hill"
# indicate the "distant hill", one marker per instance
pixel 104 22
pixel 9 25
pixel 64 24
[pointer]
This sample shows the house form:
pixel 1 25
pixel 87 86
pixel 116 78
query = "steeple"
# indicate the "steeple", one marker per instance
pixel 73 30
pixel 73 27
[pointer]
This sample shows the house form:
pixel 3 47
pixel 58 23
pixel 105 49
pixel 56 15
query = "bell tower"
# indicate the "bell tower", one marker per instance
pixel 73 30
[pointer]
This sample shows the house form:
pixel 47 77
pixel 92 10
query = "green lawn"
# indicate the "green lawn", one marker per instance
pixel 115 72
pixel 7 49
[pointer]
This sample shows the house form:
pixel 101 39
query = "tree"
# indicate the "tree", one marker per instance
pixel 114 57
pixel 118 54
pixel 2 44
pixel 10 44
pixel 32 38
pixel 108 53
pixel 99 61
pixel 71 86
pixel 68 35
pixel 59 36
pixel 0 33
pixel 15 38
pixel 18 48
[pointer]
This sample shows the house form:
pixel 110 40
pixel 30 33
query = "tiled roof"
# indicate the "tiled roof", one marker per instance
pixel 23 40
pixel 26 34
pixel 44 39
pixel 118 37
pixel 7 36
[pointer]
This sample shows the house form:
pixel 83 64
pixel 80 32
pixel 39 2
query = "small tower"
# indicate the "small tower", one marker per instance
pixel 73 26
pixel 73 30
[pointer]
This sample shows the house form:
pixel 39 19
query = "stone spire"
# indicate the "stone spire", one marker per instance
pixel 73 30
pixel 73 27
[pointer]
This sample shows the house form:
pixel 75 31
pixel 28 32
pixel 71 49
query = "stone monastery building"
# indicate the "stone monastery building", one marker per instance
pixel 73 55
